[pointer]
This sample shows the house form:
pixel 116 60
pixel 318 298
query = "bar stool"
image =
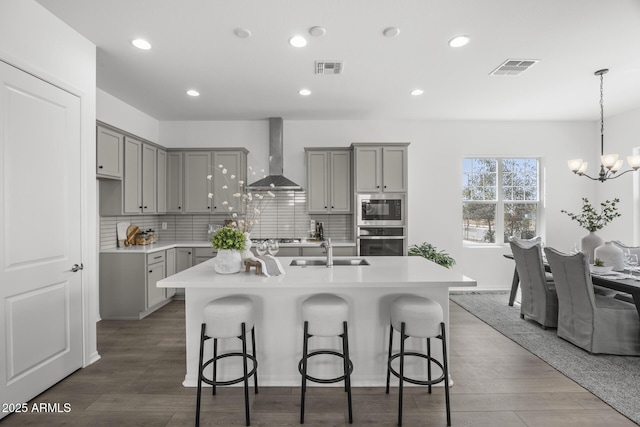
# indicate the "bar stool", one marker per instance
pixel 418 317
pixel 228 317
pixel 325 315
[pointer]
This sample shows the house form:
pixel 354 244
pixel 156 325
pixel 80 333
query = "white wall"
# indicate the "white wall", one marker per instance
pixel 113 111
pixel 435 170
pixel 33 39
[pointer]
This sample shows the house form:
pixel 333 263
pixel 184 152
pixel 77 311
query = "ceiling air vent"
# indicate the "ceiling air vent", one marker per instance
pixel 329 67
pixel 514 67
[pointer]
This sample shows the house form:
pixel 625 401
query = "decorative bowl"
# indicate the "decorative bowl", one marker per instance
pixel 600 269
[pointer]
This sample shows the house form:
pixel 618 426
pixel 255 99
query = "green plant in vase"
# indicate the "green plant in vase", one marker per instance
pixel 594 220
pixel 230 242
pixel 428 251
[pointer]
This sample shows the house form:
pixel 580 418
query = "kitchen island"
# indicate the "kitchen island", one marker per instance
pixel 369 290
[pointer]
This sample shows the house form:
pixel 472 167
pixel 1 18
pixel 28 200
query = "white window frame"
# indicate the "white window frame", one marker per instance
pixel 500 201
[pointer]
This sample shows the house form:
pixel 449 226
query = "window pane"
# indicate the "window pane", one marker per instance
pixel 479 179
pixel 520 220
pixel 479 221
pixel 520 179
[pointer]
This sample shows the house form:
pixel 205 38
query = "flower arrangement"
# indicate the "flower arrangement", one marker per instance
pixel 228 238
pixel 592 220
pixel 251 205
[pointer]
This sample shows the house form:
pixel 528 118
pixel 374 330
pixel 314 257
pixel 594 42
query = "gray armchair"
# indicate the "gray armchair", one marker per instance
pixel 596 323
pixel 539 300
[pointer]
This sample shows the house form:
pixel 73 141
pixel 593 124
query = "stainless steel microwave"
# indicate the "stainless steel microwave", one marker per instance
pixel 381 210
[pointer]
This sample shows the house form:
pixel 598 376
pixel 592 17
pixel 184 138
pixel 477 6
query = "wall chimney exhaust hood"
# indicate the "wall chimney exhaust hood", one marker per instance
pixel 275 177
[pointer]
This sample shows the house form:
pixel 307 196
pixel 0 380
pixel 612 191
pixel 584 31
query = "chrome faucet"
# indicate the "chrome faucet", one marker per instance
pixel 327 245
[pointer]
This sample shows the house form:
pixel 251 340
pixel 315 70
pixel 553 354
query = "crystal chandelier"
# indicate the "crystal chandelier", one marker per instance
pixel 609 163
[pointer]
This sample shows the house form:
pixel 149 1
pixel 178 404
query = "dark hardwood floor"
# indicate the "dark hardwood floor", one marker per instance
pixel 137 382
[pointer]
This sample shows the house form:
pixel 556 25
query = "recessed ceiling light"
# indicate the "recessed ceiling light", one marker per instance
pixel 417 92
pixel 317 31
pixel 459 41
pixel 298 41
pixel 391 31
pixel 242 33
pixel 193 92
pixel 304 92
pixel 141 44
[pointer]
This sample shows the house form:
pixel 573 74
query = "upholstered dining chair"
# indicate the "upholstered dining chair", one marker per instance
pixel 632 249
pixel 596 323
pixel 539 300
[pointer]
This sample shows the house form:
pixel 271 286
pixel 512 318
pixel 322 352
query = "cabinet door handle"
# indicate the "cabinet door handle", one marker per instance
pixel 150 271
pixel 100 167
pixel 145 207
pixel 179 207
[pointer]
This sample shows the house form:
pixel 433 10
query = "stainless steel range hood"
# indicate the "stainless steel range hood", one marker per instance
pixel 275 180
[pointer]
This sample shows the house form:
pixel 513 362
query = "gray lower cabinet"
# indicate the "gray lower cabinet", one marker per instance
pixel 170 262
pixel 204 254
pixel 128 284
pixel 184 260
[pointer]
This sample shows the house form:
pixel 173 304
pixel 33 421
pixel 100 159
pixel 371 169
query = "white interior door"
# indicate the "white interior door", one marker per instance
pixel 40 297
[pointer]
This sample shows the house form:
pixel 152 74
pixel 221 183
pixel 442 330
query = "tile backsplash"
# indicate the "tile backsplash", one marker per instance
pixel 285 217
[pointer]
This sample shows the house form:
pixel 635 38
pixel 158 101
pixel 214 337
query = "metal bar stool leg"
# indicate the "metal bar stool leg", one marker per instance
pixel 445 370
pixel 389 357
pixel 347 371
pixel 253 345
pixel 245 371
pixel 429 362
pixel 402 339
pixel 215 365
pixel 202 339
pixel 304 370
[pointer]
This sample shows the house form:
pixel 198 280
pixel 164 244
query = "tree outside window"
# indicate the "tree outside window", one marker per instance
pixel 500 198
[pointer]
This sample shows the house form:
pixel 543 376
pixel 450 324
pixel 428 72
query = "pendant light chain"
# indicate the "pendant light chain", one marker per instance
pixel 601 114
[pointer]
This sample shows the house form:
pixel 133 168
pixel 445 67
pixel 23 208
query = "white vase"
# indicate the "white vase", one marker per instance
pixel 589 243
pixel 247 246
pixel 610 255
pixel 227 261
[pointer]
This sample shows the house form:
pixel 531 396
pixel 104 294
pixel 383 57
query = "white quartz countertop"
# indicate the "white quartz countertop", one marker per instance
pixel 170 244
pixel 402 271
pixel 160 246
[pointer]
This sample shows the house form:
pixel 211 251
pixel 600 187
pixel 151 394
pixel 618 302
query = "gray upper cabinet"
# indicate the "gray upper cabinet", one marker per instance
pixel 132 176
pixel 161 182
pixel 197 166
pixel 234 163
pixel 109 157
pixel 149 178
pixel 328 181
pixel 380 168
pixel 200 164
pixel 174 182
pixel 137 193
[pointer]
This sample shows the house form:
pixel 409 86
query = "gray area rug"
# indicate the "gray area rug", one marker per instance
pixel 614 379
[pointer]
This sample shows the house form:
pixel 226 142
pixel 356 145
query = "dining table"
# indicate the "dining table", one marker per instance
pixel 617 281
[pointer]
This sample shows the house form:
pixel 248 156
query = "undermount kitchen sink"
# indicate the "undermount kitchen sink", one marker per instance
pixel 323 262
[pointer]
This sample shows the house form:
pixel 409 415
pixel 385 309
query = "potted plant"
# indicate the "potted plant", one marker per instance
pixel 593 221
pixel 428 251
pixel 230 242
pixel 598 267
